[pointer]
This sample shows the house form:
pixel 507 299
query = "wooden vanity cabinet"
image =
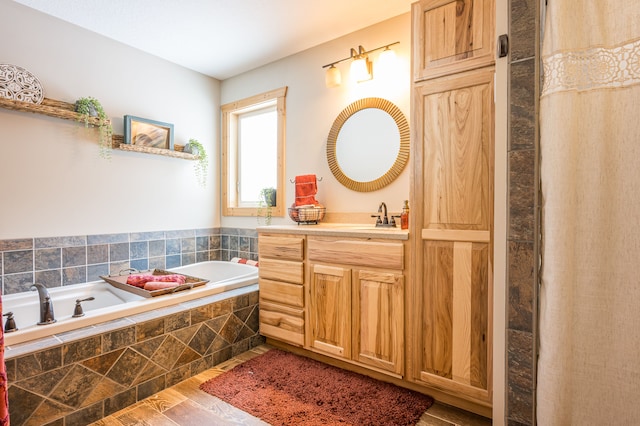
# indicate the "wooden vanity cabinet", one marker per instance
pixel 281 280
pixel 356 301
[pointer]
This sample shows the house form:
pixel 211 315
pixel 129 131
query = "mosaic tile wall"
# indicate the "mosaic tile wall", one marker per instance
pixel 523 227
pixel 87 378
pixel 59 261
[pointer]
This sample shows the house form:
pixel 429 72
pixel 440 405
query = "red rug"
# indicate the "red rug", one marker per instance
pixel 286 389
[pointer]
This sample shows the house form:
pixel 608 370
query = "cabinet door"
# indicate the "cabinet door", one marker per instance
pixel 330 310
pixel 456 303
pixel 453 224
pixel 451 36
pixel 378 319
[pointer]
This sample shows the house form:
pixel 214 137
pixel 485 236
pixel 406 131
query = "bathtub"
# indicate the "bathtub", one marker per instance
pixel 112 303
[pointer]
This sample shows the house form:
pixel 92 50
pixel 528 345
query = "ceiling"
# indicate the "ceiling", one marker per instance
pixel 222 38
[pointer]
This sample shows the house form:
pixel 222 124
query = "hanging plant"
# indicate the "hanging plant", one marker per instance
pixel 91 107
pixel 202 161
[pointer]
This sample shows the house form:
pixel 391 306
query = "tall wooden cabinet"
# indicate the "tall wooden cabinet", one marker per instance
pixel 452 197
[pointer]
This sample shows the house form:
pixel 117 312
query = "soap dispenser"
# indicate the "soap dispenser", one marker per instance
pixel 404 216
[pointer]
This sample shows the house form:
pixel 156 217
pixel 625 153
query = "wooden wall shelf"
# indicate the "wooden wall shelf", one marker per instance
pixel 66 111
pixel 50 107
pixel 118 143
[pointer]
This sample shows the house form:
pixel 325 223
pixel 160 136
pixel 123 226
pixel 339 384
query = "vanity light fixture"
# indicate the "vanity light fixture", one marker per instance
pixel 332 77
pixel 387 56
pixel 361 67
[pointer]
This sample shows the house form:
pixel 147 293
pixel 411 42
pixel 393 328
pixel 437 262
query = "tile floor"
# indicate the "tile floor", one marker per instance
pixel 186 405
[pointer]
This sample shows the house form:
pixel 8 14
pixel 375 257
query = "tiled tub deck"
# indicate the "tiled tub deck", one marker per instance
pixel 81 376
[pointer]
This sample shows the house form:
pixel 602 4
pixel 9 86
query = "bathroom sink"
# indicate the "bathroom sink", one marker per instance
pixel 359 227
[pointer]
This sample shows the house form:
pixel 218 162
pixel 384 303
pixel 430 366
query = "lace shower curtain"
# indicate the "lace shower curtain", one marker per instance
pixel 589 363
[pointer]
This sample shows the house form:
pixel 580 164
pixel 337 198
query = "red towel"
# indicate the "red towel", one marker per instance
pixel 306 189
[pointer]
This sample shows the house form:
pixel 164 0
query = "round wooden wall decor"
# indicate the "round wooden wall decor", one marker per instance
pixel 18 84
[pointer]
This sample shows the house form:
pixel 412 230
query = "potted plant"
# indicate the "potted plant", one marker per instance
pixel 91 107
pixel 266 203
pixel 194 147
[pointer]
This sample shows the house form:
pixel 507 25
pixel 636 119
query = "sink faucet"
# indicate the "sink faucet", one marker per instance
pixel 384 222
pixel 46 304
pixel 383 208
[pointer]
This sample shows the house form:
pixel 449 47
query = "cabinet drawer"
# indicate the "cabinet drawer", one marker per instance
pixel 288 294
pixel 281 247
pixel 281 270
pixel 282 322
pixel 361 253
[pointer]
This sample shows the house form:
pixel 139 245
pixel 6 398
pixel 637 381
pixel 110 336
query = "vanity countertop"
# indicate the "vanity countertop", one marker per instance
pixel 354 230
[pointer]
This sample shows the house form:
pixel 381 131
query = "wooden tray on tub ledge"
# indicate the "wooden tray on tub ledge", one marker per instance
pixel 120 281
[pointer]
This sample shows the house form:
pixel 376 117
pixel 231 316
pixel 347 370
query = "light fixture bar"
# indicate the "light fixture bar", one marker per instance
pixel 359 52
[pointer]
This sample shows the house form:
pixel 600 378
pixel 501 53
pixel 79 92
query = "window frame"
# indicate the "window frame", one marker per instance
pixel 230 166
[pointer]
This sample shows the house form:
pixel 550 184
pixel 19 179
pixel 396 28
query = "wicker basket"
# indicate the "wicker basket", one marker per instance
pixel 307 215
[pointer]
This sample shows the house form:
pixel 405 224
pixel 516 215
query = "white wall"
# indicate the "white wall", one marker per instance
pixel 312 109
pixel 53 181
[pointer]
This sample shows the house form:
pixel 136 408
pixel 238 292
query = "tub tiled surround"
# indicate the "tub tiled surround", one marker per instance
pixel 58 261
pixel 94 374
pixel 523 230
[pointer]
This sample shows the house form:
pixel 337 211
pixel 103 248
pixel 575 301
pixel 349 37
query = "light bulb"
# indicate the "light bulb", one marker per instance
pixel 386 65
pixel 360 70
pixel 332 78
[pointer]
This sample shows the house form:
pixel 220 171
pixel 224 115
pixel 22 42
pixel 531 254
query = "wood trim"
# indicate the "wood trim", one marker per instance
pixel 253 100
pixel 460 365
pixel 456 235
pixel 476 395
pixel 230 206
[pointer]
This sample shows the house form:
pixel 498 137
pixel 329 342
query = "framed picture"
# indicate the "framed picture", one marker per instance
pixel 145 132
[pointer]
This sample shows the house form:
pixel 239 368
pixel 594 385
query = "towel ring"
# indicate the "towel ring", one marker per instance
pixel 294 181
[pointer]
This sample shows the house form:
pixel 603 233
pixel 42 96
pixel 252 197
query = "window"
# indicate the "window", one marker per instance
pixel 253 135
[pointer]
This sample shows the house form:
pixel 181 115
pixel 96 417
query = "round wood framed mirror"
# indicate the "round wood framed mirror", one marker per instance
pixel 368 145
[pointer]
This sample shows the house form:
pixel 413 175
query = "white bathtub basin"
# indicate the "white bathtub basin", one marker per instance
pixel 26 310
pixel 112 303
